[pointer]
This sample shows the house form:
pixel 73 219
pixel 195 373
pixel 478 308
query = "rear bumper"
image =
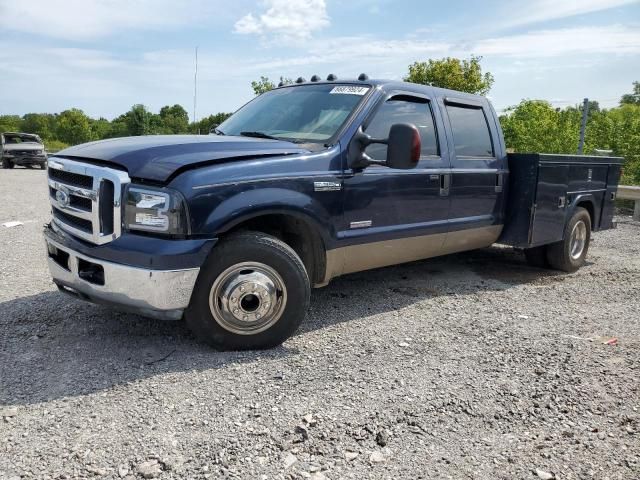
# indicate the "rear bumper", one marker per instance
pixel 162 294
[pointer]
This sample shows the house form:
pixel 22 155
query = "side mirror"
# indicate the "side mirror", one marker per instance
pixel 213 128
pixel 403 148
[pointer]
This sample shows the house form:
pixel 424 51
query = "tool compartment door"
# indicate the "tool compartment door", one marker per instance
pixel 551 204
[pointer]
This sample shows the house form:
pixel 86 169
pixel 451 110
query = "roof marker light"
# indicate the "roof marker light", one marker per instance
pixel 332 77
pixel 363 77
pixel 300 80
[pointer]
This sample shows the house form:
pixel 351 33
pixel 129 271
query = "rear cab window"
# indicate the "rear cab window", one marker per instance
pixel 471 134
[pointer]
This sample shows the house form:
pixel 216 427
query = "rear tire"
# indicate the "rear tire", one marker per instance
pixel 7 164
pixel 570 254
pixel 252 293
pixel 537 256
pixel 43 166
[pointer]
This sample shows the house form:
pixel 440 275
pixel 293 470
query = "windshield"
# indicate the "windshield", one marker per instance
pixel 21 139
pixel 309 113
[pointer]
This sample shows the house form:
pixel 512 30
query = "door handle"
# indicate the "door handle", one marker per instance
pixel 499 182
pixel 445 184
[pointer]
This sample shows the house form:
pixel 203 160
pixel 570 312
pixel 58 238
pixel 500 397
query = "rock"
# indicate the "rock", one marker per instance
pixel 308 418
pixel 377 457
pixel 403 344
pixel 289 459
pixel 382 438
pixel 123 470
pixel 173 462
pixel 100 472
pixel 318 476
pixel 544 475
pixel 350 456
pixel 149 469
pixel 9 412
pixel 302 430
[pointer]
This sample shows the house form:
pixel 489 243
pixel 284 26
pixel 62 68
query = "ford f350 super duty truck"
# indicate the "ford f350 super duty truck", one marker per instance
pixel 303 184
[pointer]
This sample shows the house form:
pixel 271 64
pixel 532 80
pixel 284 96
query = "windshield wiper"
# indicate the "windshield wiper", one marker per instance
pixel 259 135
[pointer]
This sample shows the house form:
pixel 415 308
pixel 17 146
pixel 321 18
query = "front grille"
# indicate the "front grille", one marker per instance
pixel 75 222
pixel 86 199
pixel 71 178
pixel 81 203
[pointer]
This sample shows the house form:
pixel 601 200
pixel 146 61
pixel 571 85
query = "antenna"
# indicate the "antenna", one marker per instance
pixel 195 88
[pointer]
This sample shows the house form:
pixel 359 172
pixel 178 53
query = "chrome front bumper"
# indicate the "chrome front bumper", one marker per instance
pixel 162 294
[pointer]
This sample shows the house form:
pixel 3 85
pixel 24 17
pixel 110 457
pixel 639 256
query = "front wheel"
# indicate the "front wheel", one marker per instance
pixel 252 293
pixel 570 254
pixel 7 164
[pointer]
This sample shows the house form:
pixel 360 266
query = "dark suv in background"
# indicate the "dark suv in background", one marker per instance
pixel 23 149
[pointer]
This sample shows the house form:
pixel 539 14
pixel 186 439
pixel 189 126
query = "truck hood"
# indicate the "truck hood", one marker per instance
pixel 158 157
pixel 22 147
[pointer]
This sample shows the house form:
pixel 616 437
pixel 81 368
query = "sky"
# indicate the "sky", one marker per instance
pixel 103 56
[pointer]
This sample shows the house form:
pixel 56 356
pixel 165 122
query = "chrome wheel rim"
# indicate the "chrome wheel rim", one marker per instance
pixel 248 298
pixel 578 240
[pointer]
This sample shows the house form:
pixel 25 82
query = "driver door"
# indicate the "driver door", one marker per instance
pixel 394 216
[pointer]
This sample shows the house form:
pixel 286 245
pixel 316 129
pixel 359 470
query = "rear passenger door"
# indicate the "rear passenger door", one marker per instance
pixel 477 167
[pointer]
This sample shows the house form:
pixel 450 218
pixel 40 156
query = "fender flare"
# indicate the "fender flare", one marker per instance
pixel 251 204
pixel 594 211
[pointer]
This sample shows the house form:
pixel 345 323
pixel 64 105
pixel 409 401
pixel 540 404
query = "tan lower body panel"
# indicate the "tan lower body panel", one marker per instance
pixel 357 258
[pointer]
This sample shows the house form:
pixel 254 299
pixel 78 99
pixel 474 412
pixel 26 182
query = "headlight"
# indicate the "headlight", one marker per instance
pixel 159 210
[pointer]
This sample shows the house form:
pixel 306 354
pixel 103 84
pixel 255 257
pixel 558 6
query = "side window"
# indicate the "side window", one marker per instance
pixel 471 135
pixel 402 109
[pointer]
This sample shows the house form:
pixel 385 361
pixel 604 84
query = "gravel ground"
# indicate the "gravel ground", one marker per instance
pixel 468 366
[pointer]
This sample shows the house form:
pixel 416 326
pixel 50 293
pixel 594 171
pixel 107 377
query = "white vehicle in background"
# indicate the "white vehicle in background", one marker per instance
pixel 25 149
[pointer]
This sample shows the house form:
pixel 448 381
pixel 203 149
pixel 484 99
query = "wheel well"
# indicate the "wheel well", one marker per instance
pixel 588 206
pixel 300 235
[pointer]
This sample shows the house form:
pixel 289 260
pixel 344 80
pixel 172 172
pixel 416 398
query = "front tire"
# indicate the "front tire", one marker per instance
pixel 7 164
pixel 252 293
pixel 570 254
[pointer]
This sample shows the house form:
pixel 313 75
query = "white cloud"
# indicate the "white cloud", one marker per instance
pixel 613 39
pixel 89 19
pixel 285 19
pixel 534 11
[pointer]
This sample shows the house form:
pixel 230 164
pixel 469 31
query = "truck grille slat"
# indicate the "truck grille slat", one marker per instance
pixel 70 178
pixel 86 199
pixel 73 221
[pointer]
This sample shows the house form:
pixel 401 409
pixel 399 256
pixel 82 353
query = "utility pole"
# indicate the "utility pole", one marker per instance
pixel 195 88
pixel 583 127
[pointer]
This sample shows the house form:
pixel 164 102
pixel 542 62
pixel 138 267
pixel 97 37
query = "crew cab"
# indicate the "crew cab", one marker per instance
pixel 24 149
pixel 305 183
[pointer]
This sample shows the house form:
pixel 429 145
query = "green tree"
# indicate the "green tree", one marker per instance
pixel 174 119
pixel 100 128
pixel 453 73
pixel 535 126
pixel 264 84
pixel 10 123
pixel 138 120
pixel 632 98
pixel 204 125
pixel 73 127
pixel 42 124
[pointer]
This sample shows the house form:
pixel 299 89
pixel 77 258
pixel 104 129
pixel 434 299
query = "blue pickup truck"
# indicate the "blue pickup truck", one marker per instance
pixel 305 183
